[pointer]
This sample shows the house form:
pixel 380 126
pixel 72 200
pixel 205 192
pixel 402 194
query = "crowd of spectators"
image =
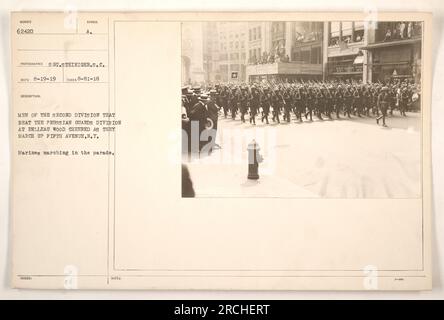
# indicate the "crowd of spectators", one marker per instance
pixel 402 30
pixel 269 57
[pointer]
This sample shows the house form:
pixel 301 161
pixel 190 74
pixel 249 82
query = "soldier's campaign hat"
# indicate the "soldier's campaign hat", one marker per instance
pixel 213 91
pixel 185 90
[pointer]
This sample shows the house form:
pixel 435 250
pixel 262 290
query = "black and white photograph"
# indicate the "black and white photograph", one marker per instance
pixel 251 152
pixel 301 109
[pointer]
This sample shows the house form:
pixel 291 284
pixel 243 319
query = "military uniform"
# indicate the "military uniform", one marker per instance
pixel 276 101
pixel 298 104
pixel 266 103
pixel 309 99
pixel 318 104
pixel 242 103
pixel 328 103
pixel 348 101
pixel 383 105
pixel 223 96
pixel 254 105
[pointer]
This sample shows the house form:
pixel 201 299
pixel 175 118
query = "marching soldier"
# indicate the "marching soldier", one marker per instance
pixel 266 103
pixel 391 98
pixel 374 101
pixel 308 98
pixel 383 104
pixel 242 103
pixel 224 101
pixel 276 101
pixel 298 104
pixel 254 105
pixel 347 102
pixel 403 101
pixel 328 103
pixel 356 102
pixel 337 101
pixel 232 98
pixel 287 105
pixel 318 102
pixel 366 100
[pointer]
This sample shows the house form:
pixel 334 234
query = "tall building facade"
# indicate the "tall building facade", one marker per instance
pixel 211 52
pixel 343 57
pixel 372 51
pixel 284 51
pixel 232 51
pixel 192 53
pixel 259 40
pixel 394 51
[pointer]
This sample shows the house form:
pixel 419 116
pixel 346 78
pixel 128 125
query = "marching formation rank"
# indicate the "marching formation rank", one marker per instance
pixel 284 102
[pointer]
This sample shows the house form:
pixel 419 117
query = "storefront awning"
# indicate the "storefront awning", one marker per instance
pixel 359 60
pixel 390 43
pixel 346 73
pixel 398 63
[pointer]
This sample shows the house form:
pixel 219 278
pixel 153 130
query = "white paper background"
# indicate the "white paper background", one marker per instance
pixel 435 6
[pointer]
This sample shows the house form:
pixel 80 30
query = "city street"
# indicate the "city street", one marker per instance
pixel 347 158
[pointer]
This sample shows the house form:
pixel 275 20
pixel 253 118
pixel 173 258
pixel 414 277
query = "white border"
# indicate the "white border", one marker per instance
pixel 435 6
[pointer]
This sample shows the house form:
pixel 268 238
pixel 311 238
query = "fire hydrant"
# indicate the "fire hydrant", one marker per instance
pixel 254 158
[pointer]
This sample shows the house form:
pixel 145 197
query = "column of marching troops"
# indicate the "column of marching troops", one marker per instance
pixel 324 100
pixel 277 102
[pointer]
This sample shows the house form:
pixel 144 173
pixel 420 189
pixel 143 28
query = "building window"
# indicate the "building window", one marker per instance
pixel 358 31
pixel 296 55
pixel 234 56
pixel 254 34
pixel 278 30
pixel 242 44
pixel 316 55
pixel 258 32
pixel 305 56
pixel 249 35
pixel 399 30
pixel 334 33
pixel 347 30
